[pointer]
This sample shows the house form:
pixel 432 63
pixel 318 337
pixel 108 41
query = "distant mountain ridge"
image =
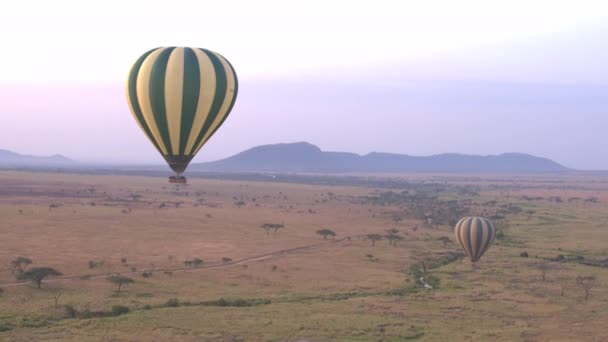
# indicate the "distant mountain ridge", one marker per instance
pixel 13 159
pixel 305 157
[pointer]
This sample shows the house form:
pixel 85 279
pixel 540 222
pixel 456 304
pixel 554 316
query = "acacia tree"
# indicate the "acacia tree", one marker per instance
pixel 326 232
pixel 392 231
pixel 278 226
pixel 374 237
pixel 393 239
pixel 272 226
pixel 266 227
pixel 119 281
pixel 586 283
pixel 37 274
pixel 19 264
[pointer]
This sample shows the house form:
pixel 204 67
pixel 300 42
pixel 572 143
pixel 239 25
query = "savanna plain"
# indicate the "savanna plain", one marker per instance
pixel 316 258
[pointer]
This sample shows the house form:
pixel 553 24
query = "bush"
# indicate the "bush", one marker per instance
pixel 87 314
pixel 6 327
pixel 523 254
pixel 118 310
pixel 172 303
pixel 95 264
pixel 560 257
pixel 237 302
pixel 225 260
pixel 70 311
pixel 420 277
pixel 33 322
pixel 416 272
pixel 196 262
pixel 402 291
pixel 449 258
pixel 432 280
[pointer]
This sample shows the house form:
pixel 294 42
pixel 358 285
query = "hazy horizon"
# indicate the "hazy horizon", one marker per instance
pixel 459 81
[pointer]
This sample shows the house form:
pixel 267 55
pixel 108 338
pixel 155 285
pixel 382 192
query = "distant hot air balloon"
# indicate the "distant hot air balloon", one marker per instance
pixel 475 235
pixel 180 97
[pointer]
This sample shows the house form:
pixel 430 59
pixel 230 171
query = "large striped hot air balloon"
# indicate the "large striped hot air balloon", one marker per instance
pixel 475 235
pixel 180 97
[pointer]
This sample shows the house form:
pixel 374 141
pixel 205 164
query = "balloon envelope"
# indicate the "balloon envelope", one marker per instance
pixel 475 235
pixel 180 97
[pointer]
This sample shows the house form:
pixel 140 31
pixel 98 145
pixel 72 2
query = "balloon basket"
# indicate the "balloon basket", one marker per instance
pixel 177 179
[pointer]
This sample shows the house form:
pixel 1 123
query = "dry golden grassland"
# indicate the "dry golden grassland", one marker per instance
pixel 293 284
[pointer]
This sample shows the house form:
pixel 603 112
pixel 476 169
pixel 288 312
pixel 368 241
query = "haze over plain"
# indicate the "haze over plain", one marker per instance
pixel 407 78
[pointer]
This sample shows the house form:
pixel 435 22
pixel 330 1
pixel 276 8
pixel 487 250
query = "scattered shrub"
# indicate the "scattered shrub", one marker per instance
pixel 371 258
pixel 560 257
pixel 432 280
pixel 172 303
pixel 70 311
pixel 238 302
pixel 6 327
pixel 196 262
pixel 95 264
pixel 118 310
pixel 33 322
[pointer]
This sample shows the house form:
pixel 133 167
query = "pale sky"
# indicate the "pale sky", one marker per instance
pixel 395 76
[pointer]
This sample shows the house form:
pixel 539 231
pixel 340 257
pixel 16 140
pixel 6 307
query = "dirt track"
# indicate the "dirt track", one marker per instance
pixel 203 267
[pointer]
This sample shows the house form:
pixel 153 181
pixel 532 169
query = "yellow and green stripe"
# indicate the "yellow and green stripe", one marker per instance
pixel 180 97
